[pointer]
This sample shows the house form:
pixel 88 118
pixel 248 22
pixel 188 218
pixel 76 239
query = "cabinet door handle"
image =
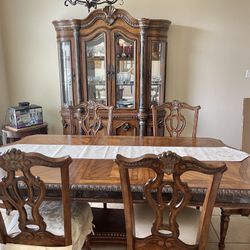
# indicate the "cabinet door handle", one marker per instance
pixel 108 74
pixel 65 124
pixel 160 123
pixel 126 127
pixel 112 75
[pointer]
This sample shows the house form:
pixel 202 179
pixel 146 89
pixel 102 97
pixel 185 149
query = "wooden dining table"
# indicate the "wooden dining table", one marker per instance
pixel 97 180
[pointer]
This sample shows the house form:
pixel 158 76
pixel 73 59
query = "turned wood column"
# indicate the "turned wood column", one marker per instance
pixel 142 115
pixel 77 73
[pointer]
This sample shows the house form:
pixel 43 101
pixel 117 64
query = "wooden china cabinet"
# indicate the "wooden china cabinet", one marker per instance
pixel 114 59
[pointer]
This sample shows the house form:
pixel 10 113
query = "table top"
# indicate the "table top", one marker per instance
pixel 102 174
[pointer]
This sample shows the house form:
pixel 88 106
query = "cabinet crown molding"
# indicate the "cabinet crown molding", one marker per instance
pixel 110 15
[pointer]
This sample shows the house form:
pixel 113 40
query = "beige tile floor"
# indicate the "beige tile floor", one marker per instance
pixel 238 237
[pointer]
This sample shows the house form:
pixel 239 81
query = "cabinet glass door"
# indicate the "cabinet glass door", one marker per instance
pixel 96 69
pixel 66 73
pixel 125 72
pixel 158 72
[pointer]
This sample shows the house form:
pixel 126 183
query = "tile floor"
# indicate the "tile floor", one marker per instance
pixel 238 236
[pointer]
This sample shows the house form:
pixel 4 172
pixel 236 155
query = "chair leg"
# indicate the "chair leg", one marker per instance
pixel 224 222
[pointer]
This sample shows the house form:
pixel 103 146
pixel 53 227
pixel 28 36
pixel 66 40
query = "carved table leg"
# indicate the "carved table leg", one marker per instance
pixel 224 222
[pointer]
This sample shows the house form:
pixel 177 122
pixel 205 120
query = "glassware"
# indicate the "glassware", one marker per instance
pixel 125 63
pixel 96 69
pixel 66 73
pixel 158 49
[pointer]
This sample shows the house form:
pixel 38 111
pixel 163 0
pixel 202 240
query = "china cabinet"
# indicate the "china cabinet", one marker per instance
pixel 116 60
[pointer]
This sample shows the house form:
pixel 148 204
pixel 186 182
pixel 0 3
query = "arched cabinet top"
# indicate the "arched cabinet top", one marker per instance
pixel 110 15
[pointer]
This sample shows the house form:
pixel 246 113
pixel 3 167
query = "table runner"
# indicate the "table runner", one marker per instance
pixel 110 152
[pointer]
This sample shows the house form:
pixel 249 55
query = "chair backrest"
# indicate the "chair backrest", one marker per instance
pixel 173 118
pixel 167 168
pixel 22 191
pixel 87 119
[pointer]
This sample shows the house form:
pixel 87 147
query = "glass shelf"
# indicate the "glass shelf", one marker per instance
pixel 66 72
pixel 157 71
pixel 125 70
pixel 96 69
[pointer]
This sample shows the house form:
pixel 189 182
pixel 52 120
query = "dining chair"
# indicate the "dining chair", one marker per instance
pixel 167 196
pixel 40 223
pixel 173 117
pixel 88 120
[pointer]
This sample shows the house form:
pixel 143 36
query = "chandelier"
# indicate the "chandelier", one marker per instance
pixel 90 3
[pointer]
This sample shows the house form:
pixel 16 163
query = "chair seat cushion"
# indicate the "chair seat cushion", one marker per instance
pixel 29 247
pixel 52 212
pixel 188 221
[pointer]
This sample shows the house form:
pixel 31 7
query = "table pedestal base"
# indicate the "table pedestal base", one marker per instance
pixel 109 226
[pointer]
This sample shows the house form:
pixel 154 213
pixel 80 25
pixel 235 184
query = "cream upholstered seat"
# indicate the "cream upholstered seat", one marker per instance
pixel 188 221
pixel 37 223
pixel 52 212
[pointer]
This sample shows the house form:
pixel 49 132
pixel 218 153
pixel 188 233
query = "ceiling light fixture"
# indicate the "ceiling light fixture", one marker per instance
pixel 90 3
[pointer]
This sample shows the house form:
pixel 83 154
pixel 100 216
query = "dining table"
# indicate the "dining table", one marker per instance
pixel 94 175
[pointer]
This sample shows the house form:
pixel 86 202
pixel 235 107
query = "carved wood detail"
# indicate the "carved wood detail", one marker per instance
pixel 109 15
pixel 174 121
pixel 32 226
pixel 165 235
pixel 225 197
pixel 112 22
pixel 88 118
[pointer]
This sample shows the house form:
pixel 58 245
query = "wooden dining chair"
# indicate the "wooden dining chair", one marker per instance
pixel 166 176
pixel 44 223
pixel 171 116
pixel 87 119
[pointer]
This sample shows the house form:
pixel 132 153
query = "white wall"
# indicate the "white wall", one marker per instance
pixel 4 98
pixel 208 54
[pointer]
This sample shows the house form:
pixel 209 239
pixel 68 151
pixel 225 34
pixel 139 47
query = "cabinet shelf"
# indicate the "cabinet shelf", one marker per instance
pixel 125 58
pixel 96 58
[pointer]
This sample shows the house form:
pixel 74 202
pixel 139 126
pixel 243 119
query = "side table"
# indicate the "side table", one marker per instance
pixel 10 134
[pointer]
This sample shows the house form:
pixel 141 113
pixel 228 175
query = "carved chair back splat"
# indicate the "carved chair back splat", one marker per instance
pixel 174 121
pixel 165 234
pixel 31 225
pixel 87 119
